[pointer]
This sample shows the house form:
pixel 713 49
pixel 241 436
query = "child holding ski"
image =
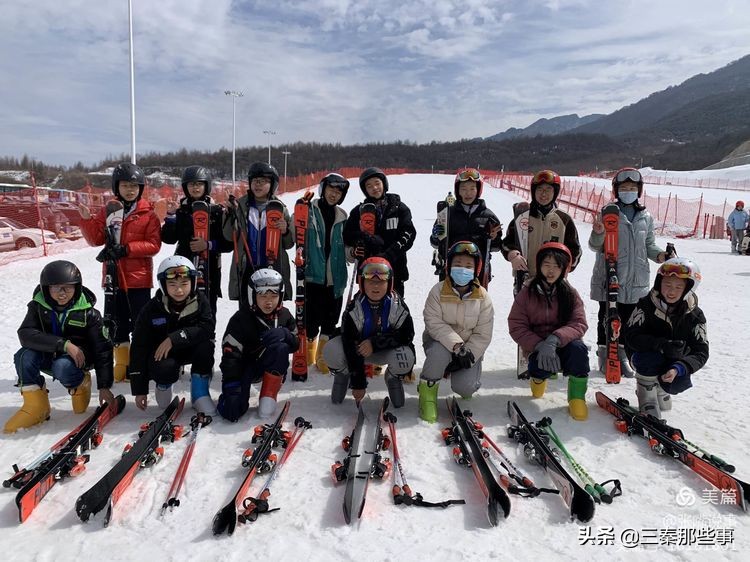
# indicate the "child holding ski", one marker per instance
pixel 136 242
pixel 458 320
pixel 246 225
pixel 259 338
pixel 541 222
pixel 667 334
pixel 548 321
pixel 635 246
pixel 62 334
pixel 325 266
pixel 377 329
pixel 175 328
pixel 179 228
pixel 467 219
pixel 394 231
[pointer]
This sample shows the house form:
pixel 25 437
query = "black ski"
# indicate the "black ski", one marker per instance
pixel 146 451
pixel 578 501
pixel 468 451
pixel 112 227
pixel 346 469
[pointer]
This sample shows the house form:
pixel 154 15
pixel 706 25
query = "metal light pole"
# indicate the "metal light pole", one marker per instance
pixel 132 84
pixel 269 133
pixel 235 95
pixel 286 153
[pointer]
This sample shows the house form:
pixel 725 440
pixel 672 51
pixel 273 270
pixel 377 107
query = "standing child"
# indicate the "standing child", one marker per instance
pixel 178 228
pixel 548 321
pixel 394 230
pixel 667 333
pixel 458 320
pixel 140 240
pixel 468 219
pixel 377 329
pixel 256 347
pixel 737 221
pixel 325 266
pixel 62 334
pixel 175 328
pixel 245 225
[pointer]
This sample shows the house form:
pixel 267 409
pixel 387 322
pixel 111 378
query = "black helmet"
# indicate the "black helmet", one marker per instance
pixel 334 180
pixel 372 173
pixel 60 272
pixel 127 172
pixel 196 173
pixel 263 170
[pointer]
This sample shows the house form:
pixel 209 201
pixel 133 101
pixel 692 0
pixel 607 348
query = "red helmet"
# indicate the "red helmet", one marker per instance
pixel 546 177
pixel 378 268
pixel 468 174
pixel 740 204
pixel 548 247
pixel 627 174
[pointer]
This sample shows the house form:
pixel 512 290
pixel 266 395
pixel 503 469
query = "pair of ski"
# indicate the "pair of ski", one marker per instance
pixel 670 441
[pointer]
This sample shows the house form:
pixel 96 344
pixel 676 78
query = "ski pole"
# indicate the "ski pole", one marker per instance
pixel 197 422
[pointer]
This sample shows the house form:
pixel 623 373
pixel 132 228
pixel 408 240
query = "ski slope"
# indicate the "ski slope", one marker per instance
pixel 659 494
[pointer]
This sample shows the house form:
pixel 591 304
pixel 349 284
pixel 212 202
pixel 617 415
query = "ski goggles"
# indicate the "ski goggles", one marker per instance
pixel 266 289
pixel 337 184
pixel 628 175
pixel 677 270
pixel 468 248
pixel 469 174
pixel 379 271
pixel 178 272
pixel 545 176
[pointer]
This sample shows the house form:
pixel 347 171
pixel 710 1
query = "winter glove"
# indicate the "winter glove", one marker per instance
pixel 112 253
pixel 359 251
pixel 547 358
pixel 461 359
pixel 231 405
pixel 673 349
pixel 275 336
pixel 438 231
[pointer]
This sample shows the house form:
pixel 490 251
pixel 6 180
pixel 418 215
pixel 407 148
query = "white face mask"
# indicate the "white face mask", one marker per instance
pixel 628 197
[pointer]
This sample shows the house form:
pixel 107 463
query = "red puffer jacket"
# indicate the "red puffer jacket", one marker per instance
pixel 141 233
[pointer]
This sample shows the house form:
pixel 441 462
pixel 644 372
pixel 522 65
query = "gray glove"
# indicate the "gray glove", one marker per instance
pixel 547 357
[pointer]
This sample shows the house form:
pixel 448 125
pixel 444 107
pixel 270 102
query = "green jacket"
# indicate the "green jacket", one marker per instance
pixel 317 269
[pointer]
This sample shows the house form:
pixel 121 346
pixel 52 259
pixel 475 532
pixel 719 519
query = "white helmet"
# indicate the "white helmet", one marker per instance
pixel 176 267
pixel 682 268
pixel 265 280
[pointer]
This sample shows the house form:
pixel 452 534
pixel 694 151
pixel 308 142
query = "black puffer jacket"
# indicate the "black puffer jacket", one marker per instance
pixel 43 329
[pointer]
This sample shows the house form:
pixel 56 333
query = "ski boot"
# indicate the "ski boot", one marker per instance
pixel 648 395
pixel 428 393
pixel 200 395
pixel 538 387
pixel 340 386
pixel 35 409
pixel 320 361
pixel 625 369
pixel 395 389
pixel 312 346
pixel 601 355
pixel 122 360
pixel 80 396
pixel 163 394
pixel 664 398
pixel 269 390
pixel 577 397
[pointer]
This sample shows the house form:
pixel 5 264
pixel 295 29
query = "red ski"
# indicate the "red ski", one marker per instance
pixel 301 220
pixel 611 220
pixel 200 230
pixel 274 213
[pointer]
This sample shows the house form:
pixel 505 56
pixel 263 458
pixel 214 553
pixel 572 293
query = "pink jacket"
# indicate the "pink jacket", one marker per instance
pixel 532 319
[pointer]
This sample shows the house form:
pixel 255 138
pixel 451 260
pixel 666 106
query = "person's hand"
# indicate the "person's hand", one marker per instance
pixel 117 251
pixel 358 394
pixel 662 257
pixel 495 230
pixel 359 251
pixel 365 348
pixel 282 225
pixel 163 350
pixel 669 376
pixel 84 211
pixel 106 396
pixel 198 245
pixel 517 261
pixel 547 357
pixel 598 226
pixel 438 231
pixel 76 354
pixel 141 401
pixel 461 358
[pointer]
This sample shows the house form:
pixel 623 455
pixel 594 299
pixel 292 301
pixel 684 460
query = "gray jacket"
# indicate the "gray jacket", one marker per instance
pixel 636 246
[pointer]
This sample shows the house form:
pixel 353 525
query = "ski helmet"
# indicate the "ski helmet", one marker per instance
pixel 128 172
pixel 375 268
pixel 60 272
pixel 263 281
pixel 546 177
pixel 177 267
pixel 196 173
pixel 263 170
pixel 740 204
pixel 683 268
pixel 372 173
pixel 468 174
pixel 465 248
pixel 627 174
pixel 560 252
pixel 334 180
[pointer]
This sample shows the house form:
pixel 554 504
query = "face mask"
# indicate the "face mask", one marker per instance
pixel 462 275
pixel 628 197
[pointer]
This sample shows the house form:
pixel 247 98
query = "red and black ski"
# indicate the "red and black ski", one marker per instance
pixel 611 220
pixel 367 222
pixel 67 457
pixel 274 213
pixel 301 220
pixel 201 216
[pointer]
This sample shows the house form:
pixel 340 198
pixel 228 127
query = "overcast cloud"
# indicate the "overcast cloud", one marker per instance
pixel 337 70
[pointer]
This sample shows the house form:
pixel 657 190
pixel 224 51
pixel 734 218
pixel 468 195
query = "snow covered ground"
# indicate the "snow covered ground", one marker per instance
pixel 659 494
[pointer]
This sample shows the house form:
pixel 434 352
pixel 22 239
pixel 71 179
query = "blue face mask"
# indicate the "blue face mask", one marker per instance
pixel 462 275
pixel 628 197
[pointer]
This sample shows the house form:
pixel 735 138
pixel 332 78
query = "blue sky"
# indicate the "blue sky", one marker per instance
pixel 348 71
